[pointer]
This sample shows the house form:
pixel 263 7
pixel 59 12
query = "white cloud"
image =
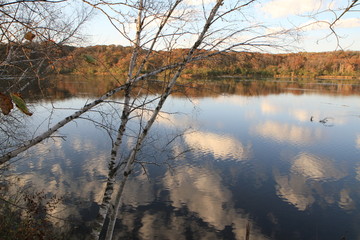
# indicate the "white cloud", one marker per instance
pixel 283 8
pixel 198 2
pixel 315 25
pixel 325 24
pixel 274 30
pixel 348 23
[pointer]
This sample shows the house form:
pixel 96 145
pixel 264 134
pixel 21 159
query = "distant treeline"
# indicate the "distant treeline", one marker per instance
pixel 115 60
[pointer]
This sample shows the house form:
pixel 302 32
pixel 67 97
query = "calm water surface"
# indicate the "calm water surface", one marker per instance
pixel 280 157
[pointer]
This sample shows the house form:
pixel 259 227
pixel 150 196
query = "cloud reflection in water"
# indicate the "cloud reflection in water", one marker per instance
pixel 294 190
pixel 221 146
pixel 283 132
pixel 304 184
pixel 202 192
pixel 316 168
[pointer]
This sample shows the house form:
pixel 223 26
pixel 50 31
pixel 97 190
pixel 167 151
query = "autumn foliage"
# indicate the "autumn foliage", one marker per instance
pixel 100 60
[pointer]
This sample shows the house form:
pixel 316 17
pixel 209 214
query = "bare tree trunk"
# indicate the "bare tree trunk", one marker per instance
pixel 132 158
pixel 104 207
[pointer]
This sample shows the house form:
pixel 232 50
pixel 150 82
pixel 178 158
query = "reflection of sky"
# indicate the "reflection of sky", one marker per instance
pixel 296 161
pixel 345 201
pixel 201 191
pixel 69 167
pixel 302 107
pixel 283 132
pixel 268 108
pixel 358 172
pixel 305 183
pixel 221 146
pixel 316 168
pixel 293 189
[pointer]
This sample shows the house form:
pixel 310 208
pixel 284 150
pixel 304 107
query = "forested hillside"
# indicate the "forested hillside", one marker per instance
pixel 115 59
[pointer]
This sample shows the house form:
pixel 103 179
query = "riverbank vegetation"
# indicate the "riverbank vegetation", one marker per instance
pixel 115 59
pixel 112 59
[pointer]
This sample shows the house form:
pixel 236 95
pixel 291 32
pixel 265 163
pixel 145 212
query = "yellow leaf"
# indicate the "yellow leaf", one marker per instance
pixel 20 103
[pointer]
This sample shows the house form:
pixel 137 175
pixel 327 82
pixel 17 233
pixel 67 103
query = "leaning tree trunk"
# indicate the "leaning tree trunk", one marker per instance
pixel 105 205
pixel 109 189
pixel 130 162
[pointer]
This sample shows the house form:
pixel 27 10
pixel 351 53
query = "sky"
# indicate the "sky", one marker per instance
pixel 276 14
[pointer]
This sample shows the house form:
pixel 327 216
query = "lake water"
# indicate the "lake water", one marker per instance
pixel 277 157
